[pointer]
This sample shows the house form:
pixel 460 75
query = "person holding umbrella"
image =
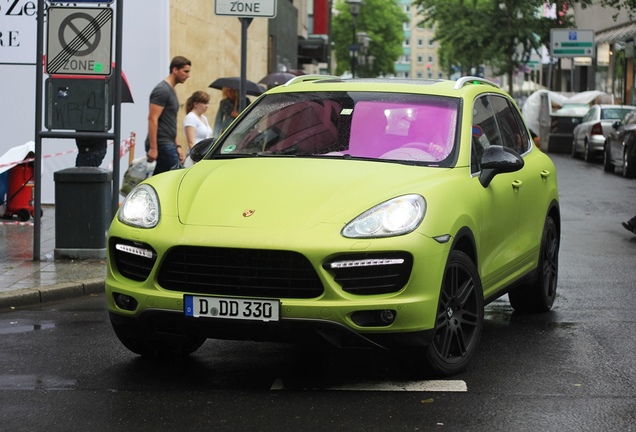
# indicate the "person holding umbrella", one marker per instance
pixel 161 143
pixel 228 110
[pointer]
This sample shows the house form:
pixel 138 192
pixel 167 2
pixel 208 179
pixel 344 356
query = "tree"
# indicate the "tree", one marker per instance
pixel 499 33
pixel 382 21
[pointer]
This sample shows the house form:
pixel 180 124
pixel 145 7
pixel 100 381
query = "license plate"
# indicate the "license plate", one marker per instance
pixel 232 308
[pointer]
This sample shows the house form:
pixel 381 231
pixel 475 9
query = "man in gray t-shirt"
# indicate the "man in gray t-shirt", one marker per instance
pixel 161 142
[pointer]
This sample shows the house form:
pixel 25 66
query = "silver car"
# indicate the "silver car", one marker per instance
pixel 596 125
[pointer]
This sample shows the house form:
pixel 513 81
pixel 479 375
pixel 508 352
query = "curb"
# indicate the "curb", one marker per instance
pixel 49 293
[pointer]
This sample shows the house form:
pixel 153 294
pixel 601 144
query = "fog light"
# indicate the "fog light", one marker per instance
pixel 125 302
pixel 373 318
pixel 387 316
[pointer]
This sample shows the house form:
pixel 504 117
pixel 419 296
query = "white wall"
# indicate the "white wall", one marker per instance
pixel 145 61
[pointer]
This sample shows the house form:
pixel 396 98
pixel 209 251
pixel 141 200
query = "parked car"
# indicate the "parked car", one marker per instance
pixel 590 134
pixel 620 147
pixel 382 213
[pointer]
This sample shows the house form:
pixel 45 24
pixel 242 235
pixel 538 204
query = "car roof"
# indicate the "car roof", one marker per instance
pixel 463 87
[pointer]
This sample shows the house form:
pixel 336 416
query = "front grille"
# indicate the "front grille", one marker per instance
pixel 377 273
pixel 239 272
pixel 135 266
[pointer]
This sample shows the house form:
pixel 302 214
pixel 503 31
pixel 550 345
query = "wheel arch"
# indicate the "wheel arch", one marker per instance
pixel 465 242
pixel 554 212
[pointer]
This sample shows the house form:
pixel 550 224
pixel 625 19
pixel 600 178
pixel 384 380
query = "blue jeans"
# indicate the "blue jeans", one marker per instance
pixel 167 158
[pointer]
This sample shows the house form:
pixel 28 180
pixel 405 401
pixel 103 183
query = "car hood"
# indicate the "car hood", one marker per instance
pixel 290 193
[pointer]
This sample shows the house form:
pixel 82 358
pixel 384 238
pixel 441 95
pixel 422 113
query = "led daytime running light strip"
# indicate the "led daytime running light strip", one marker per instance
pixel 366 263
pixel 134 250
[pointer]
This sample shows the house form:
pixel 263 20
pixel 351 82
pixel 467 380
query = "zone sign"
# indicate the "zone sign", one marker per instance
pixel 246 8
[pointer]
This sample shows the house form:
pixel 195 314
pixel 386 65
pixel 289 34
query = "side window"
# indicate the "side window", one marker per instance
pixel 484 132
pixel 514 135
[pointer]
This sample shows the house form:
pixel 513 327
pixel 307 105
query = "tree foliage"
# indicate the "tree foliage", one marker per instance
pixel 499 33
pixel 382 21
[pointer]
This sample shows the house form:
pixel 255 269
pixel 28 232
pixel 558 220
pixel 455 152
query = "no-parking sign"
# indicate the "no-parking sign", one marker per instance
pixel 79 41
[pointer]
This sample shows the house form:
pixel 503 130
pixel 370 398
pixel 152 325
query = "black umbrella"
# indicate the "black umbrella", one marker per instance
pixel 126 95
pixel 276 78
pixel 251 88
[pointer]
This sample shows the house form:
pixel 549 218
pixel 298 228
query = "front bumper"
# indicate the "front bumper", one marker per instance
pixel 162 325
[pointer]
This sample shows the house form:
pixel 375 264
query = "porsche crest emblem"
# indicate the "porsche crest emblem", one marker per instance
pixel 248 213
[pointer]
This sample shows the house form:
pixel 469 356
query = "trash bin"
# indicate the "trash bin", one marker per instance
pixel 83 212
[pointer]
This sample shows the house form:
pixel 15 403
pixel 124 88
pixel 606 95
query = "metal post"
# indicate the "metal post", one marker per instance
pixel 37 181
pixel 352 53
pixel 245 23
pixel 329 41
pixel 118 88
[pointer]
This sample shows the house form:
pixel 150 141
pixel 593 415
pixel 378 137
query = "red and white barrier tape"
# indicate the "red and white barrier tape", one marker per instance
pixel 125 147
pixel 16 223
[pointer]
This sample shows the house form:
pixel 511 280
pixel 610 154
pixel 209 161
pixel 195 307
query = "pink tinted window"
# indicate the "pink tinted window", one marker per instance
pixel 402 131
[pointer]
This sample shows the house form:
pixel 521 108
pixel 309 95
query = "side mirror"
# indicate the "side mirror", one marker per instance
pixel 498 160
pixel 616 124
pixel 201 148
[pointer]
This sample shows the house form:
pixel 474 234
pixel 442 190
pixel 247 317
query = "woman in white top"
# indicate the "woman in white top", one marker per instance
pixel 195 123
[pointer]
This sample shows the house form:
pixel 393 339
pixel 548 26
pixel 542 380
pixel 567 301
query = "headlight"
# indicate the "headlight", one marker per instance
pixel 140 208
pixel 395 217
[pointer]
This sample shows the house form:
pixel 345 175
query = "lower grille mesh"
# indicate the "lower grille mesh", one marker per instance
pixel 239 272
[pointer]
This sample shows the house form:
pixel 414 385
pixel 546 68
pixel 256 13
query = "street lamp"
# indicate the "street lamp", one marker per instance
pixel 363 50
pixel 354 9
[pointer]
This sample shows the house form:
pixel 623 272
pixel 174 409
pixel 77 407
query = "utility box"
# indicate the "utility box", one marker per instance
pixel 83 200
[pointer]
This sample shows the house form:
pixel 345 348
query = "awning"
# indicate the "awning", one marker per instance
pixel 617 34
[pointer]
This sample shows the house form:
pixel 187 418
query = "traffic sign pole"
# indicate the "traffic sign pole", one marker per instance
pixel 245 10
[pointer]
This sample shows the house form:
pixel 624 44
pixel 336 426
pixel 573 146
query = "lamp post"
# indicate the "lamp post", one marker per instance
pixel 363 50
pixel 354 9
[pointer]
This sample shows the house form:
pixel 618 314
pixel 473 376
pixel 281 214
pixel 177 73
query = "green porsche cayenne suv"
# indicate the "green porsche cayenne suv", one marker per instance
pixel 367 212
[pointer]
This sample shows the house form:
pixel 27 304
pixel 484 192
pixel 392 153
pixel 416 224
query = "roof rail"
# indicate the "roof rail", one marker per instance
pixel 471 79
pixel 305 78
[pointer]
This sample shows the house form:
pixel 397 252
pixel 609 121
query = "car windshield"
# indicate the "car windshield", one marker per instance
pixel 383 126
pixel 614 113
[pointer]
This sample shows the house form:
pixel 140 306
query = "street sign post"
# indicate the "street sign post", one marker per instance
pixel 571 43
pixel 79 41
pixel 246 8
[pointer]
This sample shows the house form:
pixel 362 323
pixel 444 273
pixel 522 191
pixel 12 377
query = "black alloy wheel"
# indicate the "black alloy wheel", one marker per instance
pixel 459 320
pixel 539 295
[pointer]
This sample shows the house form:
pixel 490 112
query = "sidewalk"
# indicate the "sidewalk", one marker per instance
pixel 24 281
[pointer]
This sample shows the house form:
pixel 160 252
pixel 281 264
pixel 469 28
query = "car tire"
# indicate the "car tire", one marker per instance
pixel 608 166
pixel 141 342
pixel 628 169
pixel 459 318
pixel 574 153
pixel 588 156
pixel 539 295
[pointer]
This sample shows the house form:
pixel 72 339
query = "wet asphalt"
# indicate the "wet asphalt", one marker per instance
pixel 28 281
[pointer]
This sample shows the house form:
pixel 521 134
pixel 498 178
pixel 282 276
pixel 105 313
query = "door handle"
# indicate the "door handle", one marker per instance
pixel 516 184
pixel 545 174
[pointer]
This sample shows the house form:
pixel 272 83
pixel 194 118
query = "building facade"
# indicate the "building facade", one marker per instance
pixel 419 57
pixel 612 68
